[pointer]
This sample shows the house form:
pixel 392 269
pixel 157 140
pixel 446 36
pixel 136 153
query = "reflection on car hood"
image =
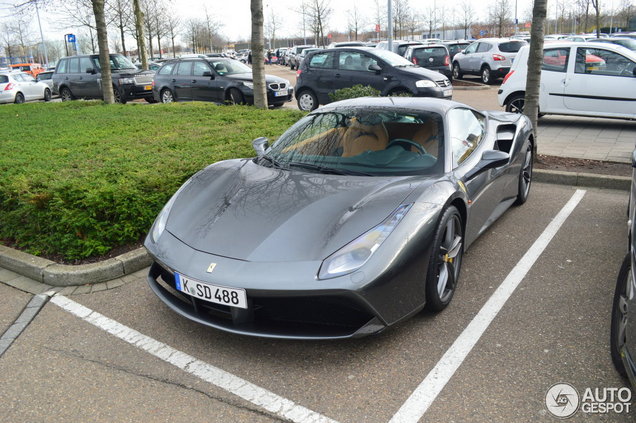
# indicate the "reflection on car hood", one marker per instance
pixel 247 77
pixel 245 211
pixel 422 72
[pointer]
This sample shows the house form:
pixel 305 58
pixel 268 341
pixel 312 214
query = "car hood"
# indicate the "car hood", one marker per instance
pixel 247 77
pixel 419 72
pixel 245 211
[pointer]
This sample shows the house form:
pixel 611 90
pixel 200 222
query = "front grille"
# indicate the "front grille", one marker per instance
pixel 143 79
pixel 443 83
pixel 319 316
pixel 278 86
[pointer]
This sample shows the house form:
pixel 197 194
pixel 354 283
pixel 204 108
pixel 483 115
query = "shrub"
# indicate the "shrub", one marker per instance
pixel 354 92
pixel 80 178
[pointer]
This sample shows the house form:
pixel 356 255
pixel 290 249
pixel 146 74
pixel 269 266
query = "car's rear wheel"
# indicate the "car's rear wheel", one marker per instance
pixel 235 96
pixel 65 94
pixel 307 101
pixel 515 103
pixel 525 176
pixel 446 260
pixel 457 73
pixel 486 76
pixel 19 98
pixel 618 329
pixel 166 96
pixel 47 94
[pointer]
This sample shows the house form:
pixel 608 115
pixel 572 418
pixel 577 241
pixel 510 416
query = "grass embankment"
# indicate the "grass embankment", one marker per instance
pixel 78 179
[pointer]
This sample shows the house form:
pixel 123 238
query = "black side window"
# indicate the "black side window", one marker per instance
pixel 166 69
pixel 200 68
pixel 61 66
pixel 184 68
pixel 74 66
pixel 471 48
pixel 4 79
pixel 322 60
pixel 85 63
pixel 483 47
pixel 556 59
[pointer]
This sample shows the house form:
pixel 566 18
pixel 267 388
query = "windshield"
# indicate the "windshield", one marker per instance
pixel 392 58
pixel 362 141
pixel 117 62
pixel 229 66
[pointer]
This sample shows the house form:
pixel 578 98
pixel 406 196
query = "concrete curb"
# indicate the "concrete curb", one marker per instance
pixel 49 273
pixel 475 87
pixel 54 274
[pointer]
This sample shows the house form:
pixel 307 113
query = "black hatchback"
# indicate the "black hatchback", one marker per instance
pixel 216 79
pixel 325 71
pixel 430 56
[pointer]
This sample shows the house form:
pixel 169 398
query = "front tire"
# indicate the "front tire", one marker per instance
pixel 166 96
pixel 516 103
pixel 525 176
pixel 445 261
pixel 618 329
pixel 235 97
pixel 65 94
pixel 307 101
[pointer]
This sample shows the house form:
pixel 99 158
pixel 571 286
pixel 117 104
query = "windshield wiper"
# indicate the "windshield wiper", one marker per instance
pixel 324 169
pixel 273 162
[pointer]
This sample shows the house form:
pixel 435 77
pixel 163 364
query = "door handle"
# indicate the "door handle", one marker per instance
pixel 174 80
pixel 337 75
pixel 194 81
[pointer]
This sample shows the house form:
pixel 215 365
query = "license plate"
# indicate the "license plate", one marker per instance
pixel 280 93
pixel 232 297
pixel 148 87
pixel 448 92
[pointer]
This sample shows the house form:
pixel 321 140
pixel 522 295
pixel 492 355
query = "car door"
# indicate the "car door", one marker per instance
pixel 353 69
pixel 553 76
pixel 203 88
pixel 467 133
pixel 182 80
pixel 481 56
pixel 601 81
pixel 73 77
pixel 320 74
pixel 90 82
pixel 32 90
pixel 468 58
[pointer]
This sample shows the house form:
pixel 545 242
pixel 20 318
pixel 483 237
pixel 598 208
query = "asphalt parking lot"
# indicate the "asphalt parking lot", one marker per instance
pixel 553 328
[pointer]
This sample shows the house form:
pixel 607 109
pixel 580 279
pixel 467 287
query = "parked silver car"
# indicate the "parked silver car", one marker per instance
pixel 46 77
pixel 18 87
pixel 489 58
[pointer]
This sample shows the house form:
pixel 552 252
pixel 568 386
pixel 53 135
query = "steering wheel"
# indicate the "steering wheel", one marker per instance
pixel 407 144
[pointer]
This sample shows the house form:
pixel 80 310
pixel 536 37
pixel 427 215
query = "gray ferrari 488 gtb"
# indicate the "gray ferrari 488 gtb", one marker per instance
pixel 355 218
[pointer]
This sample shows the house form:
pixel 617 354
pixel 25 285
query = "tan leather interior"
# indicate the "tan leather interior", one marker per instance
pixel 360 138
pixel 422 133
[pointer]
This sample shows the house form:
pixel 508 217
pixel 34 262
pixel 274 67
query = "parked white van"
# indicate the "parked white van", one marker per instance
pixel 577 78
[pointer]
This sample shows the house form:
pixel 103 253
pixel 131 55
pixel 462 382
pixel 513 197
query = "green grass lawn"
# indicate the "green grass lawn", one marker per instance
pixel 80 178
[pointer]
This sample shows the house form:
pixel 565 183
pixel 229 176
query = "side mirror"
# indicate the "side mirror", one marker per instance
pixel 208 74
pixel 90 70
pixel 634 158
pixel 373 67
pixel 489 160
pixel 260 145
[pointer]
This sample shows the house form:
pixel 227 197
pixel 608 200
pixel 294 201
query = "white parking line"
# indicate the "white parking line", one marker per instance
pixel 422 398
pixel 211 374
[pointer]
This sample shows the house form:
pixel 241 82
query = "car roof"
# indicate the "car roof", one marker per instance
pixel 429 104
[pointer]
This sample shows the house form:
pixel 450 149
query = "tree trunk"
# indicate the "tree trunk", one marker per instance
pixel 258 60
pixel 104 60
pixel 139 28
pixel 535 60
pixel 121 34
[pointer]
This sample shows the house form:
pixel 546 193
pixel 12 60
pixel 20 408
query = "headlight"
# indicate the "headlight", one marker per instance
pixel 249 85
pixel 425 83
pixel 162 219
pixel 355 254
pixel 126 81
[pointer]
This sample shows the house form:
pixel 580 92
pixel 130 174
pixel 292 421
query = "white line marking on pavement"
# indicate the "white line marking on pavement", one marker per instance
pixel 424 395
pixel 224 380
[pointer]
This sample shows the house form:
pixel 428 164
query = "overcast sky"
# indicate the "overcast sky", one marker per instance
pixel 234 15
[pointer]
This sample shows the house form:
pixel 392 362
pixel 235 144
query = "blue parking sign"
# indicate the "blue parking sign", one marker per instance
pixel 70 38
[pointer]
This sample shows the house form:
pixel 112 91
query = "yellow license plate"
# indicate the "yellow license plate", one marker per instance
pixel 148 87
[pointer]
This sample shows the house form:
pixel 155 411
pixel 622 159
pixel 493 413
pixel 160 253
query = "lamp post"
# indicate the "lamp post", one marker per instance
pixel 390 26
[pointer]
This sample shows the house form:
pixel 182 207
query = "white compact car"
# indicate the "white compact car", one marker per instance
pixel 18 87
pixel 577 78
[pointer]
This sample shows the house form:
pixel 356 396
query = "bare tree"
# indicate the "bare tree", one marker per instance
pixel 104 59
pixel 258 60
pixel 139 34
pixel 273 25
pixel 121 15
pixel 379 15
pixel 8 41
pixel 500 16
pixel 319 12
pixel 467 15
pixel 535 60
pixel 355 20
pixel 597 9
pixel 173 25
